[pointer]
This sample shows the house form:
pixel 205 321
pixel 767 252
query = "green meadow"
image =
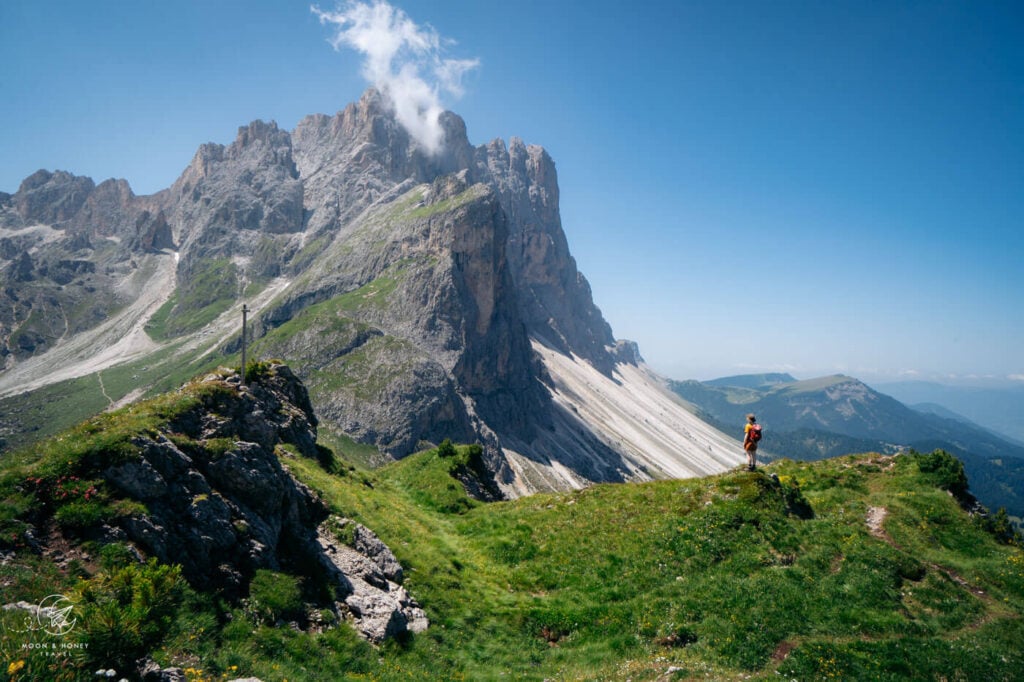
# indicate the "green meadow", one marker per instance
pixel 766 575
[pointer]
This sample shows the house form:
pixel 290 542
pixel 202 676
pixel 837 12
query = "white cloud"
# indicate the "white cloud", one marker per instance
pixel 1016 377
pixel 404 61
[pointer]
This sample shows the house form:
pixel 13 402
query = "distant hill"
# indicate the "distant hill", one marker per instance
pixel 756 381
pixel 999 408
pixel 939 411
pixel 836 415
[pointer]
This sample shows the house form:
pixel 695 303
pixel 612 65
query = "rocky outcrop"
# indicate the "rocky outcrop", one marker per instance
pixel 219 502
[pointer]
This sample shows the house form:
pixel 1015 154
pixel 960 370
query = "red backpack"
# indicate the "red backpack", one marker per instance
pixel 755 433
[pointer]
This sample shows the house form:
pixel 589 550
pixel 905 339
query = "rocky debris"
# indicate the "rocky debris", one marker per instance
pixel 875 519
pixel 366 542
pixel 150 671
pixel 379 607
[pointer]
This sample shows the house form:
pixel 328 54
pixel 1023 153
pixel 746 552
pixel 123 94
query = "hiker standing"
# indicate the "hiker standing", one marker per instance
pixel 751 436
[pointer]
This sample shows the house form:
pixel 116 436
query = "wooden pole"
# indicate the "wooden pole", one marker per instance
pixel 245 313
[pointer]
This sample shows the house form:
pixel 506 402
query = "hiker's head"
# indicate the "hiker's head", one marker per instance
pixel 751 418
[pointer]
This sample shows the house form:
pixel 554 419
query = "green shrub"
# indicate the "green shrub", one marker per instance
pixel 947 471
pixel 81 515
pixel 274 596
pixel 446 448
pixel 1001 527
pixel 256 370
pixel 125 613
pixel 115 556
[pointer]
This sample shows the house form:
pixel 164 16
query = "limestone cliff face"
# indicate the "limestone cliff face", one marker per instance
pixel 51 198
pixel 485 266
pixel 557 303
pixel 414 330
pixel 363 155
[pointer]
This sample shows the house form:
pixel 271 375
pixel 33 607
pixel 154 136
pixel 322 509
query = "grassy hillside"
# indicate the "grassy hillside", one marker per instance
pixel 863 567
pixel 837 415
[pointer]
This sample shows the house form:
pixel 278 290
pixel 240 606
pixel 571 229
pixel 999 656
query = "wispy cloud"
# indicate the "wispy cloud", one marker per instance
pixel 404 60
pixel 1016 377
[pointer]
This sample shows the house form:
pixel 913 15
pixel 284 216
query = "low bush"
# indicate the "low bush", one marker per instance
pixel 274 596
pixel 947 471
pixel 125 613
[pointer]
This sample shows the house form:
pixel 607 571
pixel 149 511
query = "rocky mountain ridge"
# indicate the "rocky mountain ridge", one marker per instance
pixel 409 291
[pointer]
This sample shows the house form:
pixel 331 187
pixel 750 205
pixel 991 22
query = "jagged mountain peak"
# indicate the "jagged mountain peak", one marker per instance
pixel 52 198
pixel 366 140
pixel 262 131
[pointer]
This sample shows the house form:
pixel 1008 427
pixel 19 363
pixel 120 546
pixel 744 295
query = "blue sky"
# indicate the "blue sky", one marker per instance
pixel 812 187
